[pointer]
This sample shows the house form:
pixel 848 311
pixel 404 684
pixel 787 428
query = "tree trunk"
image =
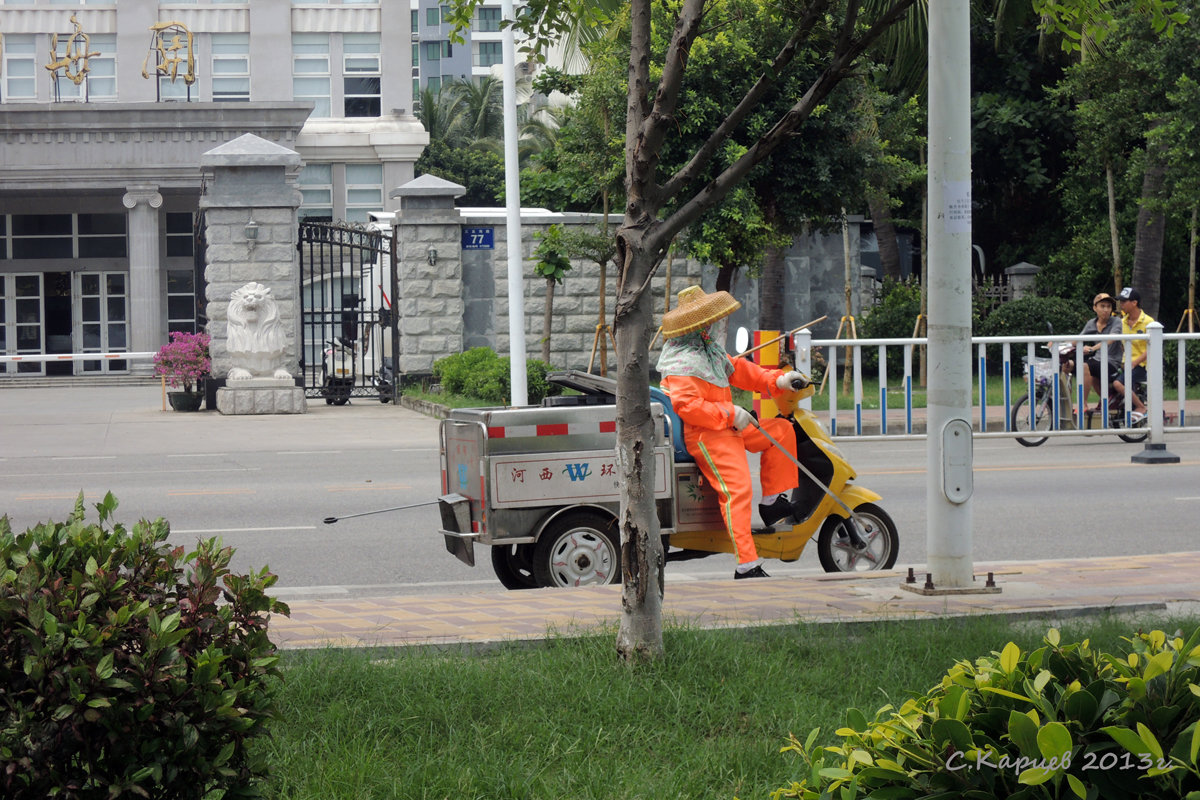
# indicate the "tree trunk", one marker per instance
pixel 1191 308
pixel 549 315
pixel 725 278
pixel 1151 230
pixel 770 291
pixel 885 235
pixel 639 636
pixel 1112 227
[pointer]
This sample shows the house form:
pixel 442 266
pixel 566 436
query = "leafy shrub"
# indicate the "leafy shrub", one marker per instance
pixel 480 373
pixel 1060 721
pixel 128 667
pixel 893 317
pixel 1028 317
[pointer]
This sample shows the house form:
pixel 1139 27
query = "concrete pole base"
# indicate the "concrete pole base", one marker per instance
pixel 1155 454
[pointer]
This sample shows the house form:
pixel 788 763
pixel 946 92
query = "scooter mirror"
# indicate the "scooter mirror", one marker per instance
pixel 741 340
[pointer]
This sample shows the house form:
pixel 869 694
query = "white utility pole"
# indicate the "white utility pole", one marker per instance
pixel 949 481
pixel 512 203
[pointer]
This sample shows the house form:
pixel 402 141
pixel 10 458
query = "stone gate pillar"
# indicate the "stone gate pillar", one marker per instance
pixel 429 233
pixel 250 207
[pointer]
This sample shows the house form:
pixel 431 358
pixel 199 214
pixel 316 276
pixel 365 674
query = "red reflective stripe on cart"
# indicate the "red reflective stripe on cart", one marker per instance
pixel 556 429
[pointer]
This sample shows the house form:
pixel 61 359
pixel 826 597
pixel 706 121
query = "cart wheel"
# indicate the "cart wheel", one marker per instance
pixel 513 565
pixel 837 554
pixel 580 548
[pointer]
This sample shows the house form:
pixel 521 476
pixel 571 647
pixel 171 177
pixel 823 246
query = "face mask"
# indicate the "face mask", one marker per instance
pixel 719 331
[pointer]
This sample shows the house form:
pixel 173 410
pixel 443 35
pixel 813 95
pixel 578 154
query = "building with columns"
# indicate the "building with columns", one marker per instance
pixel 105 111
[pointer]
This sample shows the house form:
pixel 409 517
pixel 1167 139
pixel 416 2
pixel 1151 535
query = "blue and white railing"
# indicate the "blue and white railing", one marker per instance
pixel 1032 351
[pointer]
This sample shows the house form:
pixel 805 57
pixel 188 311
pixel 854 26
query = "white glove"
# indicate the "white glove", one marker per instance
pixel 741 418
pixel 786 380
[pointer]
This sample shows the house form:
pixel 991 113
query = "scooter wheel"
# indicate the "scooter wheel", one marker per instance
pixel 882 543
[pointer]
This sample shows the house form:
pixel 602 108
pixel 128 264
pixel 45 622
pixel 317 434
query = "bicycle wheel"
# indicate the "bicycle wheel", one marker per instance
pixel 1032 418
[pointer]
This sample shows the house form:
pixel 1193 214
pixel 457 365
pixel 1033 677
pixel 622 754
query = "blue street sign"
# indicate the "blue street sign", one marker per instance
pixel 478 238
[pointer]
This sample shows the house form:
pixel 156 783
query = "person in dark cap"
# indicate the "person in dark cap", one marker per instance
pixel 1134 320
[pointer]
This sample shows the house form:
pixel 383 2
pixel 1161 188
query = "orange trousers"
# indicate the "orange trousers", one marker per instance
pixel 721 456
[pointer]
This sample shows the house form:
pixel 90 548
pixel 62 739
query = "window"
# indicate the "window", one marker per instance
pixel 181 300
pixel 100 81
pixel 433 17
pixel 416 54
pixel 231 67
pixel 310 71
pixel 316 192
pixel 179 235
pixel 41 236
pixel 361 78
pixel 433 51
pixel 489 53
pixel 102 236
pixel 20 68
pixel 364 191
pixel 44 236
pixel 488 20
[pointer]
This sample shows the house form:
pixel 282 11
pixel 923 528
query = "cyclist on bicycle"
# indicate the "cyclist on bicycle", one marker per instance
pixel 1105 322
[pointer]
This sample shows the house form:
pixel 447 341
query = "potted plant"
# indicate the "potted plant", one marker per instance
pixel 184 362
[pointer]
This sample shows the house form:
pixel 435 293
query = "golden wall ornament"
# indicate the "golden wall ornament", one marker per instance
pixel 171 46
pixel 74 63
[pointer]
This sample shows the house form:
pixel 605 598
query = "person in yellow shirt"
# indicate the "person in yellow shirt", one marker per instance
pixel 1134 320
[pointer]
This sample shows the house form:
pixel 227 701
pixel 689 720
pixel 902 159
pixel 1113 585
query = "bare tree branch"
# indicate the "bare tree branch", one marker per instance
pixel 748 103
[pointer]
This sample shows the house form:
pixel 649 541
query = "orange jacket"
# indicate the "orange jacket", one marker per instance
pixel 705 405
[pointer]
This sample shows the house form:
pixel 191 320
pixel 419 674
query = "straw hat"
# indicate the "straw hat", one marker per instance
pixel 696 310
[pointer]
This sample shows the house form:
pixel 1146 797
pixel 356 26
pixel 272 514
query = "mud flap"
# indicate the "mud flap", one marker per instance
pixel 456 527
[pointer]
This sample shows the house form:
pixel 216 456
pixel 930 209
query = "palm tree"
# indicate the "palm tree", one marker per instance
pixel 442 115
pixel 482 106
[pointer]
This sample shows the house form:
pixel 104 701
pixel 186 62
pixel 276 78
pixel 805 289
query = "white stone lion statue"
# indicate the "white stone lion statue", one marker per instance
pixel 256 341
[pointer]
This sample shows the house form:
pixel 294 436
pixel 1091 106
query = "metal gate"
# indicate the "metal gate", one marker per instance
pixel 348 329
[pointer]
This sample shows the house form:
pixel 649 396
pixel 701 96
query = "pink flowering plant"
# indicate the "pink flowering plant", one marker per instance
pixel 185 360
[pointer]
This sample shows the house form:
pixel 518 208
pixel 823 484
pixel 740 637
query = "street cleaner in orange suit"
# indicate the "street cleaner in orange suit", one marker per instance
pixel 697 373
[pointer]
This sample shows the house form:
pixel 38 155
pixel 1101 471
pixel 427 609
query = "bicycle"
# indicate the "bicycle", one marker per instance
pixel 1037 416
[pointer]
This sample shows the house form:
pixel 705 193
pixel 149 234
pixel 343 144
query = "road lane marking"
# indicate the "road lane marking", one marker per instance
pixel 191 471
pixel 190 492
pixel 380 488
pixel 195 455
pixel 246 530
pixel 82 458
pixel 307 452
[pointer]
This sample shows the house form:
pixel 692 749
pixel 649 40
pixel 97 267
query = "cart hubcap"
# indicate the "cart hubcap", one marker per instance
pixel 582 557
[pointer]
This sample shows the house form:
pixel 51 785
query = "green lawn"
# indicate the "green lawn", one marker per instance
pixel 565 719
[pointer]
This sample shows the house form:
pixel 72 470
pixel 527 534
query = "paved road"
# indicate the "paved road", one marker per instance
pixel 265 483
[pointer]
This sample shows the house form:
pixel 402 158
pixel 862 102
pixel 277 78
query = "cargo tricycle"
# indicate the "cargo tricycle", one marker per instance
pixel 539 486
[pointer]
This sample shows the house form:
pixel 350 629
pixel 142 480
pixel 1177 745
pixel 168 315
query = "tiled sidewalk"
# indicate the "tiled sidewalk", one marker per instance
pixel 1066 587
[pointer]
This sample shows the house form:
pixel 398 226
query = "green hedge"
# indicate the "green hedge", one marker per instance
pixel 481 374
pixel 1061 721
pixel 130 669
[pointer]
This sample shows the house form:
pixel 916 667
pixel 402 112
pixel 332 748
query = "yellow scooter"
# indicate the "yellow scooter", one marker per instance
pixel 852 532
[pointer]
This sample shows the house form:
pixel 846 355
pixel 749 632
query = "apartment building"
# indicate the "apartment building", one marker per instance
pixel 105 111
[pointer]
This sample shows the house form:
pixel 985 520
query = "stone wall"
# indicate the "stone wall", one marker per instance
pixel 461 301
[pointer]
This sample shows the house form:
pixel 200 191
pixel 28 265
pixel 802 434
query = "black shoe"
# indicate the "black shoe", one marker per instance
pixel 776 511
pixel 757 572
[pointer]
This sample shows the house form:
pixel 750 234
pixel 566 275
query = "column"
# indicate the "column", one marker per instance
pixel 145 273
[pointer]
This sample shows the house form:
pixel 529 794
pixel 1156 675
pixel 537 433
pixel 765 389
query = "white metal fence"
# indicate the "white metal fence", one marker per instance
pixel 848 417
